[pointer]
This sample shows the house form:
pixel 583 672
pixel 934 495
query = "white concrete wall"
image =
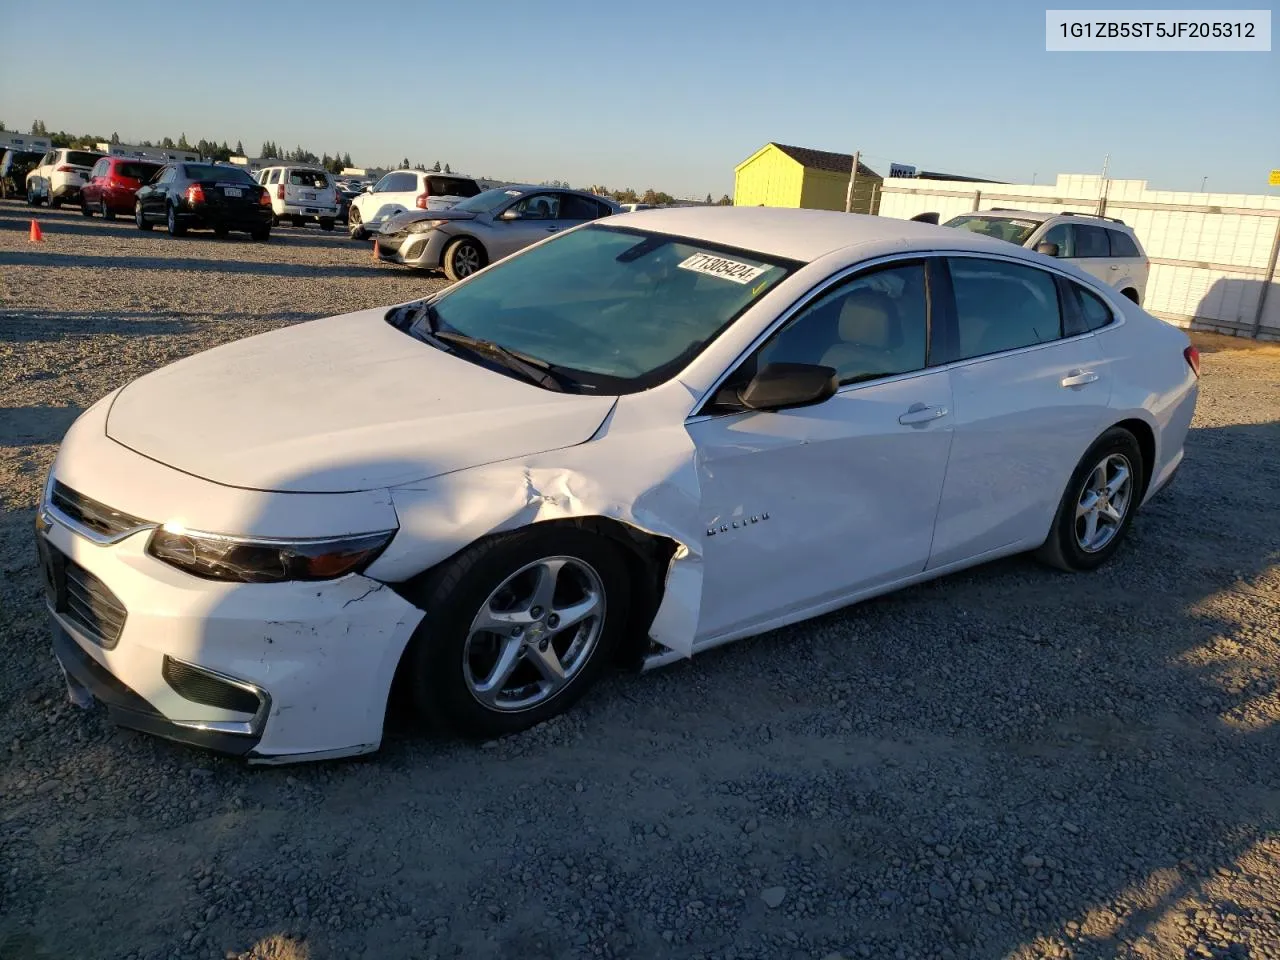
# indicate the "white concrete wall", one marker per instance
pixel 1209 251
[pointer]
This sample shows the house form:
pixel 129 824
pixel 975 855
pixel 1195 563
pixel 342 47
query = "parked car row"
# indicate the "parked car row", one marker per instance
pixel 402 191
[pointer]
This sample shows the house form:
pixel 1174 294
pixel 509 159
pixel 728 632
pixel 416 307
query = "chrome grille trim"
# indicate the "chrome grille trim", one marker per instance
pixel 90 519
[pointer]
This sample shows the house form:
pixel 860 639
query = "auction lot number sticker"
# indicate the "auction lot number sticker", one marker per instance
pixel 1158 31
pixel 721 267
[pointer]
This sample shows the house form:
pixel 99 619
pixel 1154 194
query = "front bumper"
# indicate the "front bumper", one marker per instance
pixel 315 659
pixel 420 250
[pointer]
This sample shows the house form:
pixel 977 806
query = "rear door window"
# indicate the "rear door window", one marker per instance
pixel 1122 245
pixel 1091 242
pixel 1002 306
pixel 574 207
pixel 398 183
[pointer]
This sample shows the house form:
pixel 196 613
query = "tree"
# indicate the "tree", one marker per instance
pixel 239 149
pixel 446 169
pixel 168 144
pixel 182 142
pixel 436 168
pixel 346 160
pixel 725 201
pixel 1 125
pixel 708 201
pixel 39 129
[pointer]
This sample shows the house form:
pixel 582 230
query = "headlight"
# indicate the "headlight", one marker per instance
pixel 244 560
pixel 422 226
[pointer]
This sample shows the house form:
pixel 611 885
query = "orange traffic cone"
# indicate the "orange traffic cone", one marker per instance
pixel 375 248
pixel 36 235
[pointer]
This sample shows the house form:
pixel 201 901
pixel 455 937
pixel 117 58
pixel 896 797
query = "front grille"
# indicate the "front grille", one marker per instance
pixel 91 514
pixel 82 599
pixel 196 685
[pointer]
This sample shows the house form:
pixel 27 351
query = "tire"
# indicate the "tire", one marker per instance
pixel 107 212
pixel 447 660
pixel 261 234
pixel 220 232
pixel 463 257
pixel 175 228
pixel 1070 546
pixel 354 228
pixel 85 210
pixel 32 199
pixel 141 221
pixel 326 223
pixel 54 202
pixel 298 221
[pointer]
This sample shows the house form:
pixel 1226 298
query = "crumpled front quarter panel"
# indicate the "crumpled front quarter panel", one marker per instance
pixel 639 469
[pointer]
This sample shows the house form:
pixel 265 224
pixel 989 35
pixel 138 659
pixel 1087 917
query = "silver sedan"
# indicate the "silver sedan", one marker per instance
pixel 485 228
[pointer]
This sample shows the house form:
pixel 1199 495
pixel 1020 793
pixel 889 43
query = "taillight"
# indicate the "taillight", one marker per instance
pixel 280 192
pixel 1193 359
pixel 421 201
pixel 65 169
pixel 195 193
pixel 264 199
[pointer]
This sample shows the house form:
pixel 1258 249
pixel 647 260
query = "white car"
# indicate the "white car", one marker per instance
pixel 404 190
pixel 301 194
pixel 1104 247
pixel 643 437
pixel 60 176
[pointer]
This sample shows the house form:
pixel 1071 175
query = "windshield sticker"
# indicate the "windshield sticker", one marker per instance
pixel 721 267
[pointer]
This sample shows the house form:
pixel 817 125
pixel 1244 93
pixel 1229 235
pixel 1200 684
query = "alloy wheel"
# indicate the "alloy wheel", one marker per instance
pixel 534 634
pixel 466 260
pixel 1104 502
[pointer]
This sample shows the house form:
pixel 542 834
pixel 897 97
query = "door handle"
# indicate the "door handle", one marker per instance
pixel 920 414
pixel 1078 378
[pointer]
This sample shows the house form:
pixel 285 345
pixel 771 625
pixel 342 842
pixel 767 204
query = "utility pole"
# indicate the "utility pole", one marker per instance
pixel 1102 195
pixel 1203 181
pixel 853 178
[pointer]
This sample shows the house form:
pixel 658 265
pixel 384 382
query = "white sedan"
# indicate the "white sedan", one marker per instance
pixel 641 438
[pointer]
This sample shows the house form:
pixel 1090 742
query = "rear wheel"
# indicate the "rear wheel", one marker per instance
pixel 354 224
pixel 520 625
pixel 33 198
pixel 54 202
pixel 176 229
pixel 220 232
pixel 85 209
pixel 139 219
pixel 326 223
pixel 107 212
pixel 1098 505
pixel 462 258
pixel 261 234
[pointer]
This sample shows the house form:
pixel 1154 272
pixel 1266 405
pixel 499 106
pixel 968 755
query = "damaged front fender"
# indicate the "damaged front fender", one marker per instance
pixel 639 470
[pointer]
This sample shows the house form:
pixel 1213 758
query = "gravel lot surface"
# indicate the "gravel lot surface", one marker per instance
pixel 1011 762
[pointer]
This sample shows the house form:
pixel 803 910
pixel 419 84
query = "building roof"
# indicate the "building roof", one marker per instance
pixel 825 160
pixel 803 235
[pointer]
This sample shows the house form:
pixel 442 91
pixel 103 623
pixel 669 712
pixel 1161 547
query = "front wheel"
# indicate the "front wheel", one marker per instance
pixel 462 258
pixel 261 234
pixel 517 628
pixel 326 223
pixel 355 225
pixel 139 219
pixel 176 229
pixel 33 198
pixel 107 212
pixel 1098 505
pixel 85 209
pixel 54 202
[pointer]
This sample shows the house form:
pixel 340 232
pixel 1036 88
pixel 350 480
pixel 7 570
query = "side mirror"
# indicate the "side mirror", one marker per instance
pixel 511 213
pixel 925 218
pixel 781 385
pixel 369 189
pixel 1048 249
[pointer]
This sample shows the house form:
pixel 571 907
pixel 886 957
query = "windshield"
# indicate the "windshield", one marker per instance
pixel 489 200
pixel 216 171
pixel 1002 228
pixel 616 309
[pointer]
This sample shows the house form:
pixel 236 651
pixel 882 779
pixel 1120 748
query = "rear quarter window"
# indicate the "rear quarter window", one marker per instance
pixel 1122 245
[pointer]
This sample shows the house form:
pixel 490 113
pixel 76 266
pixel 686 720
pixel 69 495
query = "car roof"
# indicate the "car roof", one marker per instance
pixel 1038 215
pixel 805 235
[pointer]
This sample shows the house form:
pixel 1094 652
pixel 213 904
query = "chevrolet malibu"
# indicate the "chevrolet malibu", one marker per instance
pixel 637 439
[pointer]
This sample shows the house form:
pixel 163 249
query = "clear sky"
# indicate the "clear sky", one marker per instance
pixel 669 94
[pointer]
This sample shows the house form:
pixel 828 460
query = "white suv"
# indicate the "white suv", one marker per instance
pixel 59 176
pixel 1102 246
pixel 301 194
pixel 403 190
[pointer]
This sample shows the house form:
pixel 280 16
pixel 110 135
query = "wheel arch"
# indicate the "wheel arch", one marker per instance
pixel 647 557
pixel 448 245
pixel 1132 294
pixel 1146 437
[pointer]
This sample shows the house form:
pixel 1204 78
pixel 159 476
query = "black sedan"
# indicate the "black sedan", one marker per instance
pixel 214 196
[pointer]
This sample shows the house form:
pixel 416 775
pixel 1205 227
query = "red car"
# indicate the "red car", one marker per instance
pixel 112 185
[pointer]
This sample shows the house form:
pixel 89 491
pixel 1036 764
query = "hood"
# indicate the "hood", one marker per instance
pixel 402 220
pixel 342 404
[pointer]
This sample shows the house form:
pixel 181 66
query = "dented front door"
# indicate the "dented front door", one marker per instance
pixel 808 505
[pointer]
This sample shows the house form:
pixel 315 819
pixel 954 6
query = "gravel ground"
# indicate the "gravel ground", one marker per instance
pixel 1007 763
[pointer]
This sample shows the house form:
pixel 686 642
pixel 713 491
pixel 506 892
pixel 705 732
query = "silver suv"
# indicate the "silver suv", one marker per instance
pixel 1105 247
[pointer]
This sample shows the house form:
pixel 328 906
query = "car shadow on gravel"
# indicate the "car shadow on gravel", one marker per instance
pixel 24 258
pixel 1009 762
pixel 27 426
pixel 50 325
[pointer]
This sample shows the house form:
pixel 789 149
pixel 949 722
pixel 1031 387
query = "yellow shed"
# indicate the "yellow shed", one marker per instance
pixel 778 175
